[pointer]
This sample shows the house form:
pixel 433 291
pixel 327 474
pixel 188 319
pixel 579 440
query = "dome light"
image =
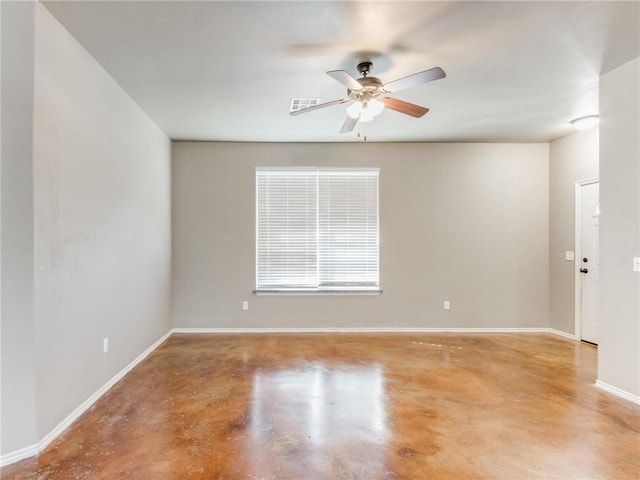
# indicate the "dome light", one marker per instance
pixel 585 123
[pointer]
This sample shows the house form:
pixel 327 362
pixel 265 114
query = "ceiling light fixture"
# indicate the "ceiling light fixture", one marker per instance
pixel 365 108
pixel 367 96
pixel 585 123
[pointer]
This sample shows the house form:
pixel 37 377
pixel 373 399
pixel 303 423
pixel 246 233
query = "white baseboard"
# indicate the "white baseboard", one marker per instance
pixel 21 454
pixel 62 426
pixel 17 455
pixel 618 392
pixel 562 334
pixel 367 330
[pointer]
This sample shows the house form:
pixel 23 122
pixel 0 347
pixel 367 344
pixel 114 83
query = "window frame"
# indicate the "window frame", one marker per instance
pixel 349 288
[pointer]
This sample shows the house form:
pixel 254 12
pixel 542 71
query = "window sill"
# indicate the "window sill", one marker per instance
pixel 316 292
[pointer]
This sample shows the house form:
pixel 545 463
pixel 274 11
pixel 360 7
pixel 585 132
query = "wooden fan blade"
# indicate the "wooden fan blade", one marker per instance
pixel 405 107
pixel 430 75
pixel 322 105
pixel 348 124
pixel 345 79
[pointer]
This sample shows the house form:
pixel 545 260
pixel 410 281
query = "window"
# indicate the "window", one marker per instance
pixel 317 230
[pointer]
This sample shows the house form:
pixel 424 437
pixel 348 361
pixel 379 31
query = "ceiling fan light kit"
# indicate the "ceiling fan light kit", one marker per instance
pixel 365 109
pixel 369 96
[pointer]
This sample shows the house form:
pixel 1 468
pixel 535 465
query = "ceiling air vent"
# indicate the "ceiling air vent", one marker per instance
pixel 302 103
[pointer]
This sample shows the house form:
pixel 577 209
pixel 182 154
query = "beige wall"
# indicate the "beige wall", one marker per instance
pixel 86 230
pixel 571 159
pixel 466 223
pixel 619 350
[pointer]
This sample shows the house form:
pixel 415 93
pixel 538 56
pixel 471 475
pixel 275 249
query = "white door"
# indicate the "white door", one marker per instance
pixel 588 262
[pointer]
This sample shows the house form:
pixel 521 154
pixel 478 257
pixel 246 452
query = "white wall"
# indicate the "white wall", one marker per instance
pixel 619 350
pixel 571 159
pixel 18 346
pixel 466 223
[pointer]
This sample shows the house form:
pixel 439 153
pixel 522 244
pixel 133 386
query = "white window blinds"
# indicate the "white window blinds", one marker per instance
pixel 317 229
pixel 287 223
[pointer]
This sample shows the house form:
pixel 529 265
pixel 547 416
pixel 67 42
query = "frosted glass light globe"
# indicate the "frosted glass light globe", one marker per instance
pixel 375 107
pixel 354 109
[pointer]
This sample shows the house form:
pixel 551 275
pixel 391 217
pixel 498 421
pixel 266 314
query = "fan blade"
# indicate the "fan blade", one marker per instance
pixel 348 124
pixel 405 107
pixel 345 79
pixel 430 75
pixel 322 105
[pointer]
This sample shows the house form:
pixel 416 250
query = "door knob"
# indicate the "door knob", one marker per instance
pixel 584 270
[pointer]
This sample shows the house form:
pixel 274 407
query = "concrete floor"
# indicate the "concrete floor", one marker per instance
pixel 352 406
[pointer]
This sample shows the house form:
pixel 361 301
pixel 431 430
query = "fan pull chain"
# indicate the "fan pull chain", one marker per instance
pixel 365 133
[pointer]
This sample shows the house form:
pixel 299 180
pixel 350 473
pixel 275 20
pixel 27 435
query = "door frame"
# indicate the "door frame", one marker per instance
pixel 578 255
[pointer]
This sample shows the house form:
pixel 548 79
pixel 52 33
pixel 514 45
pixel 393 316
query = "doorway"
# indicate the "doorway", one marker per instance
pixel 587 261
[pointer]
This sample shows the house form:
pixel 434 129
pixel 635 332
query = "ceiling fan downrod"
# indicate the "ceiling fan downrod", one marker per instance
pixel 364 68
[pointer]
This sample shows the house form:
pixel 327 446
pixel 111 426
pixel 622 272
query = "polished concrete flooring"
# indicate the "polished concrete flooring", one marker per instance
pixel 351 406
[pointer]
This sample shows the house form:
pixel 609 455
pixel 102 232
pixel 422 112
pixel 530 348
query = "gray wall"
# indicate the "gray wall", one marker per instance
pixel 571 159
pixel 466 223
pixel 18 348
pixel 102 208
pixel 86 226
pixel 619 351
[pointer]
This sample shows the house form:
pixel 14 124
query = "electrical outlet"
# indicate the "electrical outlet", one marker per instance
pixel 245 305
pixel 447 305
pixel 636 264
pixel 569 256
pixel 105 345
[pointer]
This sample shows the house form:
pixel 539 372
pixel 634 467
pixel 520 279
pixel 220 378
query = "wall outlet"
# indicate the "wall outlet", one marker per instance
pixel 569 256
pixel 245 305
pixel 105 345
pixel 636 264
pixel 447 305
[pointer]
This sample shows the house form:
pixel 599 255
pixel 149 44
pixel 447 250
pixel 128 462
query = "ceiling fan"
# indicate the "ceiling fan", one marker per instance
pixel 369 96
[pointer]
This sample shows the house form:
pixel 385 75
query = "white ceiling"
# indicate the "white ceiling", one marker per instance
pixel 226 71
